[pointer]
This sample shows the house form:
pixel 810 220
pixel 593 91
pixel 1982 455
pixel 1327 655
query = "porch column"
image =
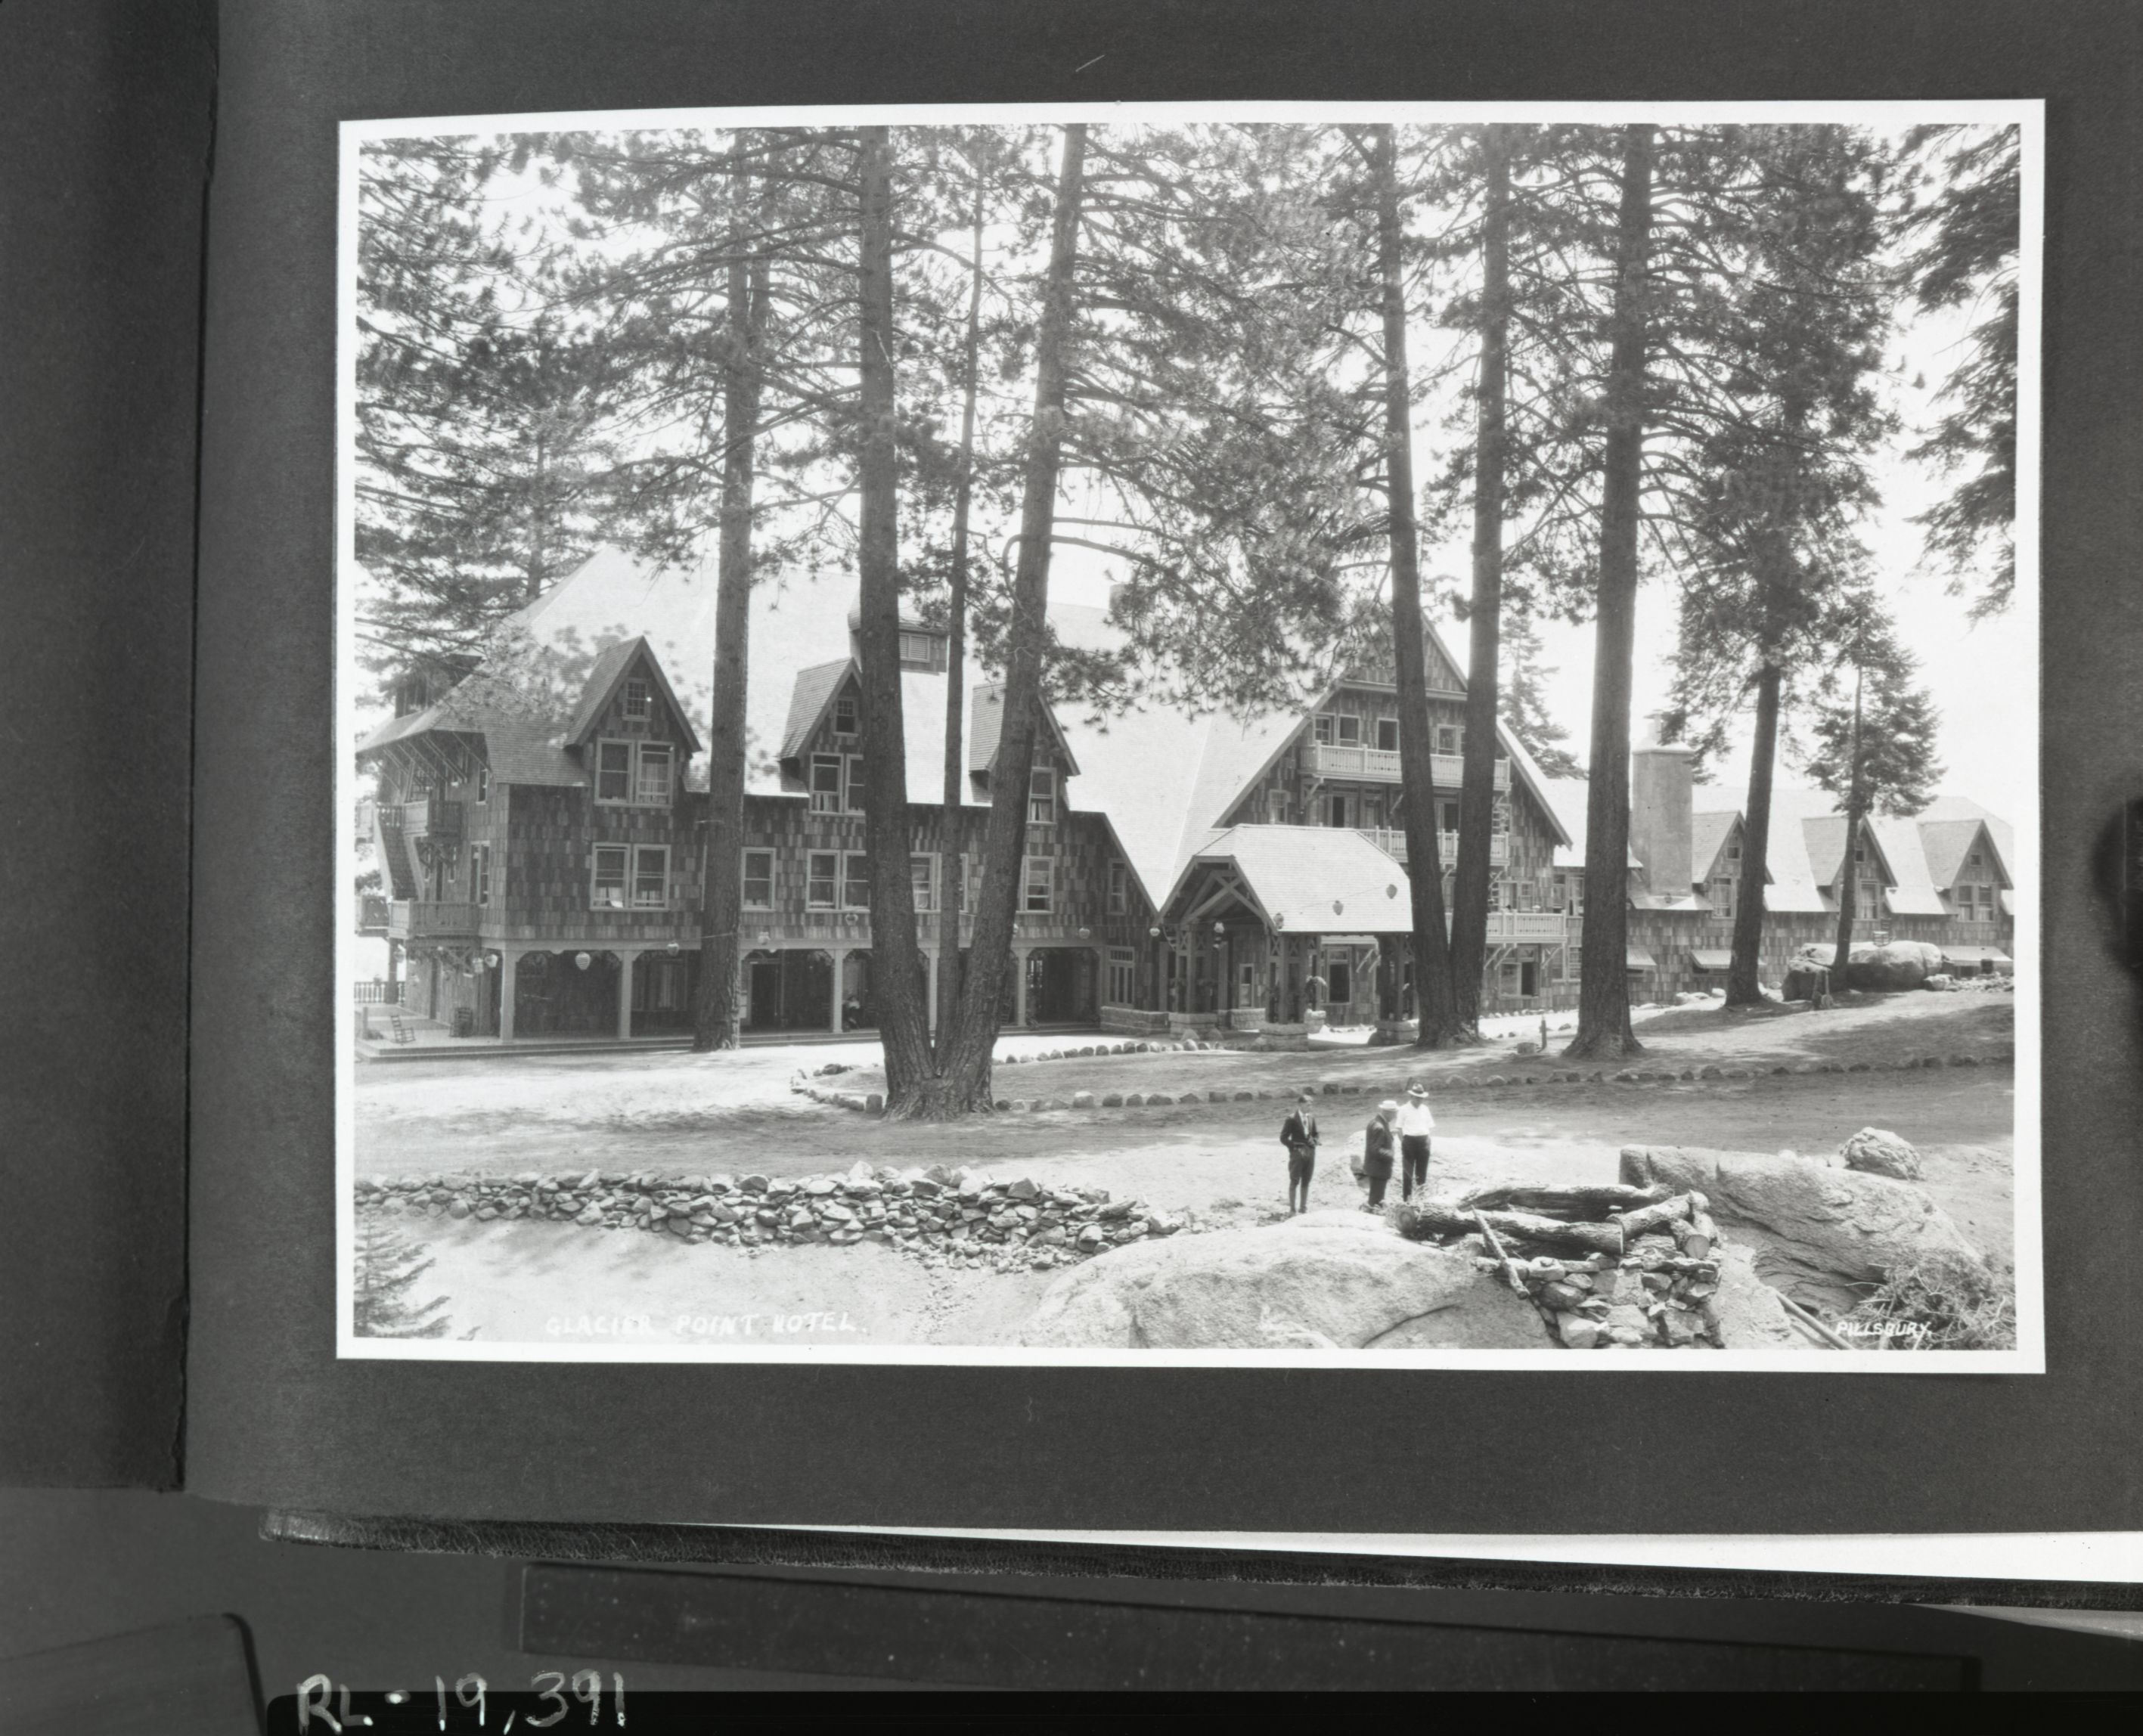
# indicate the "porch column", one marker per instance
pixel 1019 986
pixel 625 961
pixel 839 955
pixel 508 968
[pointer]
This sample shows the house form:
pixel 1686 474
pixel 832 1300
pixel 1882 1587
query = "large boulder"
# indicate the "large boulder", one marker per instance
pixel 1819 1234
pixel 1342 1285
pixel 1876 1151
pixel 1902 964
pixel 1748 1313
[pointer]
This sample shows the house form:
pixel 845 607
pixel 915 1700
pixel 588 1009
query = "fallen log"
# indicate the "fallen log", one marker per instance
pixel 1656 1216
pixel 1576 1204
pixel 1699 1236
pixel 1836 1341
pixel 1442 1218
pixel 1510 1266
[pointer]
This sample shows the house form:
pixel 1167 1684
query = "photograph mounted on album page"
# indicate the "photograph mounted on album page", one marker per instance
pixel 1348 735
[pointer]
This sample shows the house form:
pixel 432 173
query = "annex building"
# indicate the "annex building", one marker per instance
pixel 538 828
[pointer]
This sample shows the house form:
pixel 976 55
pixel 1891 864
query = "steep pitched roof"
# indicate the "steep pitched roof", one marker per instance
pixel 1911 890
pixel 1311 879
pixel 809 701
pixel 606 676
pixel 1949 843
pixel 1708 835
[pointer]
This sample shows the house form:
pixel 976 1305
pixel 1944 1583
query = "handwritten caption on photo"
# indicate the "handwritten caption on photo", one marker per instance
pixel 811 1322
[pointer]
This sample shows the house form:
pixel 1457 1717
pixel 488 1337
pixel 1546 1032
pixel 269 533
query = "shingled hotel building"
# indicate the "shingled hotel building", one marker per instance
pixel 538 828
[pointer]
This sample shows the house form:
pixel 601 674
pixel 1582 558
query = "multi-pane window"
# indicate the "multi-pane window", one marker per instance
pixel 480 873
pixel 821 888
pixel 1042 796
pixel 1123 976
pixel 1336 810
pixel 1276 806
pixel 1733 853
pixel 1320 728
pixel 1119 888
pixel 844 714
pixel 483 784
pixel 855 784
pixel 650 877
pixel 923 882
pixel 1450 739
pixel 1387 734
pixel 855 881
pixel 1037 887
pixel 636 698
pixel 650 787
pixel 759 879
pixel 612 861
pixel 921 650
pixel 825 784
pixel 1347 731
pixel 1722 896
pixel 636 772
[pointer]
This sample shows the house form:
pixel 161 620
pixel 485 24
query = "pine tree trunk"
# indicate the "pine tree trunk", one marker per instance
pixel 1856 804
pixel 714 1023
pixel 1477 802
pixel 1432 943
pixel 1744 974
pixel 1603 1001
pixel 899 998
pixel 952 887
pixel 966 1083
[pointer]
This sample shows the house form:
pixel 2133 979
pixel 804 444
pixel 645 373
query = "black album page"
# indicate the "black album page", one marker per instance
pixel 567 1144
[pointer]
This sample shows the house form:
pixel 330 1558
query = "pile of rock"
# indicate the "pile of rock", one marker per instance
pixel 1608 1266
pixel 938 1215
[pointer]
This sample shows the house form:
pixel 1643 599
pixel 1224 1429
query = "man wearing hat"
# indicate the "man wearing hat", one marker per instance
pixel 1415 1126
pixel 1377 1154
pixel 1299 1134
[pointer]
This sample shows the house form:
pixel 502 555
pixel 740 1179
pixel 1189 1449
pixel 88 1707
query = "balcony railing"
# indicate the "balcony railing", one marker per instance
pixel 372 913
pixel 1528 927
pixel 423 919
pixel 1381 765
pixel 1393 843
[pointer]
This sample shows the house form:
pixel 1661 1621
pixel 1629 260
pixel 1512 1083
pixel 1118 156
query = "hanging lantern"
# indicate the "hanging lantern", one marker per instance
pixel 492 959
pixel 1338 909
pixel 584 959
pixel 1086 934
pixel 1154 932
pixel 1219 931
pixel 1392 890
pixel 672 949
pixel 1279 920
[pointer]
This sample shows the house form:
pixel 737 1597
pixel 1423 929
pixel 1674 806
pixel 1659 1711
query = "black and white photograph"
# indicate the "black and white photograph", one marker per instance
pixel 1297 734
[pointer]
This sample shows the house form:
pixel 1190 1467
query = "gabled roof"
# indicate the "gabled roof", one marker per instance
pixel 1825 838
pixel 607 675
pixel 1911 889
pixel 986 716
pixel 1949 843
pixel 810 699
pixel 1710 833
pixel 1309 879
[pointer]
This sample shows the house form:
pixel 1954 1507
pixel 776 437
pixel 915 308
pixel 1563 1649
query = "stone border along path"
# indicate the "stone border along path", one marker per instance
pixel 943 1217
pixel 874 1102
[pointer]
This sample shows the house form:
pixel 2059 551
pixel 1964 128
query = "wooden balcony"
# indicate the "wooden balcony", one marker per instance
pixel 1532 927
pixel 1381 765
pixel 372 913
pixel 432 816
pixel 423 919
pixel 1393 843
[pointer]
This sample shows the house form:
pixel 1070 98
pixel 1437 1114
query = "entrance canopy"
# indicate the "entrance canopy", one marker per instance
pixel 1974 955
pixel 1315 880
pixel 1638 959
pixel 1706 959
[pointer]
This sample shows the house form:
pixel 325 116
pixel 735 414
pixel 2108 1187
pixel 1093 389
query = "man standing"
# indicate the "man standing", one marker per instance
pixel 1299 1134
pixel 1416 1123
pixel 1377 1154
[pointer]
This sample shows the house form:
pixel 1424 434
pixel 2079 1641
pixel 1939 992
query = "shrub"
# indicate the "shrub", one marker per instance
pixel 1942 1302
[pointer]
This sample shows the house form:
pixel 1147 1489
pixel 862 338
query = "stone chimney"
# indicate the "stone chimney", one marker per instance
pixel 1660 799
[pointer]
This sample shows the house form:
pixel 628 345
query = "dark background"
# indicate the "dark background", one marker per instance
pixel 97 510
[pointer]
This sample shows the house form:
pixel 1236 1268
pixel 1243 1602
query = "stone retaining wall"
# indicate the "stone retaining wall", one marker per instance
pixel 937 1215
pixel 874 1103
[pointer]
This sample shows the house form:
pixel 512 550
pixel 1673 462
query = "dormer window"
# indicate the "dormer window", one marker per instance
pixel 844 711
pixel 922 651
pixel 636 700
pixel 1972 860
pixel 1042 796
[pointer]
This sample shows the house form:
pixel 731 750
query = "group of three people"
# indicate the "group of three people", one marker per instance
pixel 1393 1132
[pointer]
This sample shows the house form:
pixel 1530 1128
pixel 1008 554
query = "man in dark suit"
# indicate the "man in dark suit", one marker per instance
pixel 1378 1145
pixel 1299 1134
